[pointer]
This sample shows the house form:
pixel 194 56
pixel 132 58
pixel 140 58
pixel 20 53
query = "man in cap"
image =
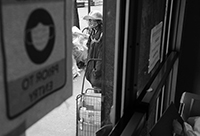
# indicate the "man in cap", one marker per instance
pixel 94 44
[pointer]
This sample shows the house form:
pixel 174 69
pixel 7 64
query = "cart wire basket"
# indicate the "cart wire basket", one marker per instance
pixel 88 111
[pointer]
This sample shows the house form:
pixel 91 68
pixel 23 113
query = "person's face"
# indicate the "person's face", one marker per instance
pixel 92 23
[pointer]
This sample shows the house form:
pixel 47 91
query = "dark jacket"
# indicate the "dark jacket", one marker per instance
pixel 94 68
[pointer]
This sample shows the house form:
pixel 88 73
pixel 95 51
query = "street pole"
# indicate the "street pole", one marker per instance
pixel 75 16
pixel 89 6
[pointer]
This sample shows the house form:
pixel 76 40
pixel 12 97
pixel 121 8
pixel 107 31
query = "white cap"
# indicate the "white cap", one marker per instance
pixel 94 15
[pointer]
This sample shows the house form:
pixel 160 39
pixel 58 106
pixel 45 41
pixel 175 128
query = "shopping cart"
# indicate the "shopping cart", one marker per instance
pixel 88 109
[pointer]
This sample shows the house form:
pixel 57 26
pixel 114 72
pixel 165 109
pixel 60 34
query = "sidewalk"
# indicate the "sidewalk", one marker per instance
pixel 62 120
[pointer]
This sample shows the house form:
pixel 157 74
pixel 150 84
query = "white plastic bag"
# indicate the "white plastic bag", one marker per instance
pixel 79 44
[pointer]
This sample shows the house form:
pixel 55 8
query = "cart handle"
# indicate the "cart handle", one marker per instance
pixel 92 59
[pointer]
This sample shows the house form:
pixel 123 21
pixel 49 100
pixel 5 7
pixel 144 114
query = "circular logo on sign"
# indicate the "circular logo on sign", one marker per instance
pixel 39 36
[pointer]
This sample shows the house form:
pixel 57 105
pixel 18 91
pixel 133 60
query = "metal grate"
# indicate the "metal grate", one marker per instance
pixel 88 114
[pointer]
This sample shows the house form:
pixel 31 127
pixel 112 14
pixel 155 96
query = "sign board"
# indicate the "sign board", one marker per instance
pixel 34 51
pixel 155 43
pixel 35 62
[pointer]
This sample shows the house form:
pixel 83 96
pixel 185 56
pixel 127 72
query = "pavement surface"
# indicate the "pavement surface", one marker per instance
pixel 62 120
